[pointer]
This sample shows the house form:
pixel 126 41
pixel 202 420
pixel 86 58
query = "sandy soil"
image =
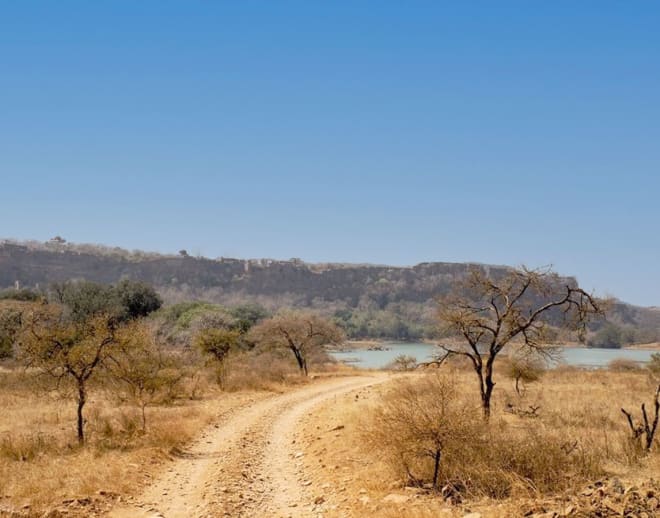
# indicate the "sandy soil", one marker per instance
pixel 354 483
pixel 249 465
pixel 655 346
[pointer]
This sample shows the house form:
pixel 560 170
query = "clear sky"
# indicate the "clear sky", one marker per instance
pixel 387 132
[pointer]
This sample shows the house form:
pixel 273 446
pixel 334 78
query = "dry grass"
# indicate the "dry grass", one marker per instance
pixel 578 435
pixel 577 411
pixel 42 465
pixel 623 365
pixel 434 418
pixel 265 371
pixel 275 370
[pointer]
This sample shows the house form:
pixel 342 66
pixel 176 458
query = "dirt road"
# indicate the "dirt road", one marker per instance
pixel 246 466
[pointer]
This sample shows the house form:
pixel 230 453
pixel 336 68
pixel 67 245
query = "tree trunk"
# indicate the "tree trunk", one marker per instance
pixel 484 392
pixel 220 375
pixel 302 363
pixel 82 399
pixel 144 418
pixel 436 468
pixel 487 395
pixel 486 386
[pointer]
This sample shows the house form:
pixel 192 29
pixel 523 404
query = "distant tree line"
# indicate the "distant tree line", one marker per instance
pixel 615 336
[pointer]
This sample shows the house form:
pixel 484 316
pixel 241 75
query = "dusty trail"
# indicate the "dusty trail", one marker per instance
pixel 247 466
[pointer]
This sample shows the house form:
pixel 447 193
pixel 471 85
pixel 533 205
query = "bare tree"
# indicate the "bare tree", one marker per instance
pixel 645 431
pixel 302 333
pixel 67 350
pixel 488 313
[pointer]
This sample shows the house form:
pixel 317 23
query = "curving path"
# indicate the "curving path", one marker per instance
pixel 247 466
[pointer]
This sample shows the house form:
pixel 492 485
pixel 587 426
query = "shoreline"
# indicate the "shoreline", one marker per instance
pixel 354 345
pixel 654 346
pixel 351 345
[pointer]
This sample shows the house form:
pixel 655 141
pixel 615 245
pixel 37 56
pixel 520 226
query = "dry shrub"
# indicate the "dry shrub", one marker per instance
pixel 118 430
pixel 524 369
pixel 197 383
pixel 654 365
pixel 563 369
pixel 402 362
pixel 429 415
pixel 420 425
pixel 268 370
pixel 41 463
pixel 169 427
pixel 458 363
pixel 623 365
pixel 514 461
pixel 26 447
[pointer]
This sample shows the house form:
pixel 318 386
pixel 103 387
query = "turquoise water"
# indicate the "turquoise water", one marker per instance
pixel 577 356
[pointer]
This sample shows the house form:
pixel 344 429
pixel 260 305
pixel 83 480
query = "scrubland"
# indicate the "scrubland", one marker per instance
pixel 370 451
pixel 42 465
pixel 543 452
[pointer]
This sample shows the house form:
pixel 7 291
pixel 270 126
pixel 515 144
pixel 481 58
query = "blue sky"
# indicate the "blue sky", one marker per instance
pixel 387 132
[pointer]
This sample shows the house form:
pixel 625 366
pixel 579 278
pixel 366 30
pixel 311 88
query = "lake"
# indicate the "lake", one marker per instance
pixel 577 356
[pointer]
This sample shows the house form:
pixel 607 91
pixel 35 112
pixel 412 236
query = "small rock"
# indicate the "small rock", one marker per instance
pixel 319 500
pixel 617 486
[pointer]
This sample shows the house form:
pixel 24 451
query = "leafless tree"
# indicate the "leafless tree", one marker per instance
pixel 300 332
pixel 487 314
pixel 645 431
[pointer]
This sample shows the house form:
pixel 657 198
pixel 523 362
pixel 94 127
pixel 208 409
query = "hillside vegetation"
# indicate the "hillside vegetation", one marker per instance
pixel 368 301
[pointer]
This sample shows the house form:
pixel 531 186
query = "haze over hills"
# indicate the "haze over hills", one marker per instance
pixel 386 301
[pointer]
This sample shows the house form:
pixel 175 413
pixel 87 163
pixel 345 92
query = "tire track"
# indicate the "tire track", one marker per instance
pixel 244 467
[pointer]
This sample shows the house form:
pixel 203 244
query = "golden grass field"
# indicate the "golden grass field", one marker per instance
pixel 574 405
pixel 42 466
